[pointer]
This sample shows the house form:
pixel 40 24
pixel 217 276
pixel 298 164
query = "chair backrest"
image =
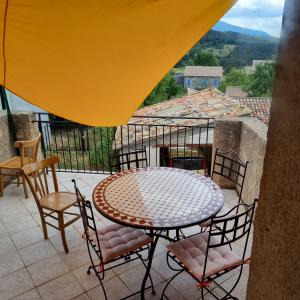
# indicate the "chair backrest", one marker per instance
pixel 36 177
pixel 126 161
pixel 89 223
pixel 29 149
pixel 230 166
pixel 231 227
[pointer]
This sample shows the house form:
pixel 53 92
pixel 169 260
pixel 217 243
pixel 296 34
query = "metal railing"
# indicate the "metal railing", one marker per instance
pixel 87 149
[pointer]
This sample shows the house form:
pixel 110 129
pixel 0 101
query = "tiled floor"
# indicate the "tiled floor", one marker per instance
pixel 34 268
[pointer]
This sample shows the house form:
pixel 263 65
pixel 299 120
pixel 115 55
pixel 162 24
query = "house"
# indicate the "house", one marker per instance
pixel 176 128
pixel 201 77
pixel 260 107
pixel 257 62
pixel 235 91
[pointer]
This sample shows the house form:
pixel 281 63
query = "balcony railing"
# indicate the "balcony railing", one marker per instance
pixel 87 149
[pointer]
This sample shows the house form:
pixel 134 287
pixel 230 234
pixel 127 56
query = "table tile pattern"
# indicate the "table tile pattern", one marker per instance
pixel 157 198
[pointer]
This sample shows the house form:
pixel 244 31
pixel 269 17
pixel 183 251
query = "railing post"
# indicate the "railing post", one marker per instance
pixel 42 133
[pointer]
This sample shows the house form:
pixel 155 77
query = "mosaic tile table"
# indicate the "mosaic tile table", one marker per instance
pixel 157 198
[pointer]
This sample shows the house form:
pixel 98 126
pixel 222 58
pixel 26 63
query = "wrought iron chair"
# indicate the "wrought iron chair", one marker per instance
pixel 55 205
pixel 213 246
pixel 110 243
pixel 229 166
pixel 28 151
pixel 125 161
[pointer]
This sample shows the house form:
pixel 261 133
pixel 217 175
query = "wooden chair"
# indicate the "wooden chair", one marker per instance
pixel 51 205
pixel 126 161
pixel 28 154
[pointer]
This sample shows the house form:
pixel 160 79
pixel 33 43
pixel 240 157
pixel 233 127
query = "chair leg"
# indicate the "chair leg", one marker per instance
pixel 24 187
pixel 62 231
pixel 18 180
pixel 44 225
pixel 1 184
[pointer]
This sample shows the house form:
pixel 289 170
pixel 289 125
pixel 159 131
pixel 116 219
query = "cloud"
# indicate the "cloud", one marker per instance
pixel 263 15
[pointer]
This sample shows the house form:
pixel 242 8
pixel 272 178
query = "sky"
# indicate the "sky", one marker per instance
pixel 265 15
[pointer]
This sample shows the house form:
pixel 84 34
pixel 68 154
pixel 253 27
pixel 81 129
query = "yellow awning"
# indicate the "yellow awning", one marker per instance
pixel 95 61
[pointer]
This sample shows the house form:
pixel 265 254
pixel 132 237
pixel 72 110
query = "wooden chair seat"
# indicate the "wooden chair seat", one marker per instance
pixel 15 162
pixel 58 201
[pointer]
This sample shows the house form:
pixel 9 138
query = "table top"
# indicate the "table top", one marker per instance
pixel 158 198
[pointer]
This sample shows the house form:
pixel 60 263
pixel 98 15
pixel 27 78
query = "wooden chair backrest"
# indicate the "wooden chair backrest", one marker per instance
pixel 29 149
pixel 36 176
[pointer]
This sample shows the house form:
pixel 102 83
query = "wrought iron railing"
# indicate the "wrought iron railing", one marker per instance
pixel 87 149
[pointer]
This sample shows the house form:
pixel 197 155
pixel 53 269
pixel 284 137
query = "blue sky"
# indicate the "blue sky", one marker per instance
pixel 265 15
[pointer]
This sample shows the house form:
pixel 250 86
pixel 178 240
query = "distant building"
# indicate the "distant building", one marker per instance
pixel 202 77
pixel 257 62
pixel 235 91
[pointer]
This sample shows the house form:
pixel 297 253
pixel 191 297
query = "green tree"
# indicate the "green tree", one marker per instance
pixel 205 59
pixel 261 82
pixel 166 89
pixel 235 77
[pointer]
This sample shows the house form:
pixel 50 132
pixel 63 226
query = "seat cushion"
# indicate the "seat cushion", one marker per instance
pixel 191 253
pixel 58 201
pixel 116 240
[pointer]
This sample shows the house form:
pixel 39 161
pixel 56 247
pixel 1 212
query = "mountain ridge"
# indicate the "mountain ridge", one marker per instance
pixel 226 27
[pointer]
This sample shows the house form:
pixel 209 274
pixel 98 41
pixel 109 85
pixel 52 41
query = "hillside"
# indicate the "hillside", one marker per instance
pixel 225 27
pixel 233 49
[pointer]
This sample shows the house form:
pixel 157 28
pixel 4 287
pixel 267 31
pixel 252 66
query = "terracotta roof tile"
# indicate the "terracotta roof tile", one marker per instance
pixel 260 107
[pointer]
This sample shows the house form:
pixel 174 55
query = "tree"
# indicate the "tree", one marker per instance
pixel 235 77
pixel 205 59
pixel 261 82
pixel 166 89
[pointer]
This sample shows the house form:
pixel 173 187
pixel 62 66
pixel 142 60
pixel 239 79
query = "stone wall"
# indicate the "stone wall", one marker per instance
pixel 246 136
pixel 6 145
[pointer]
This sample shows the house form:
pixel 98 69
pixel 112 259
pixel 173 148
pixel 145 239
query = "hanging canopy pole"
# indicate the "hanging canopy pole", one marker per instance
pixel 5 105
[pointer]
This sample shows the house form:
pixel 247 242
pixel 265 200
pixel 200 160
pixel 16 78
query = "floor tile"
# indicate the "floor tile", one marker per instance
pixel 30 295
pixel 90 281
pixel 73 237
pixel 28 237
pixel 160 265
pixel 77 257
pixel 37 252
pixel 15 284
pixel 82 297
pixel 133 278
pixel 115 289
pixel 62 288
pixel 10 262
pixel 6 245
pixel 186 286
pixel 47 269
pixel 15 225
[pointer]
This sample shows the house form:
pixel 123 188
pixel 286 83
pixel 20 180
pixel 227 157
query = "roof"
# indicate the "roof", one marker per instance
pixel 235 91
pixel 256 62
pixel 203 71
pixel 260 107
pixel 208 103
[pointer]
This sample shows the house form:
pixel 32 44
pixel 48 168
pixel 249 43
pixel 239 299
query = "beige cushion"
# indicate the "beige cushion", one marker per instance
pixel 191 253
pixel 116 240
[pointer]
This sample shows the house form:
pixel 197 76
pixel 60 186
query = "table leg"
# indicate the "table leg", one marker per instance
pixel 150 258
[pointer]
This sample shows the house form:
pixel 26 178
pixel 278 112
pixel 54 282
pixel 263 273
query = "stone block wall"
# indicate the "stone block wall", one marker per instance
pixel 6 144
pixel 246 136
